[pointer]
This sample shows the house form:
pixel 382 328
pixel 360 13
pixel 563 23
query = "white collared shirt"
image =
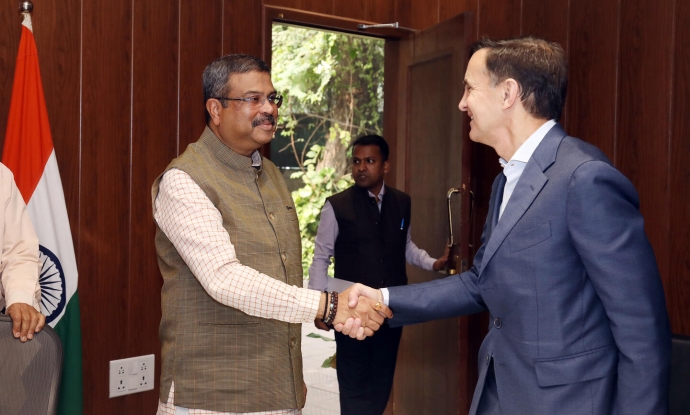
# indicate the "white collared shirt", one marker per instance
pixel 513 169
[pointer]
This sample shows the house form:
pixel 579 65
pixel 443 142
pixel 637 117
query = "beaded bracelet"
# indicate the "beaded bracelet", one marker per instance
pixel 333 309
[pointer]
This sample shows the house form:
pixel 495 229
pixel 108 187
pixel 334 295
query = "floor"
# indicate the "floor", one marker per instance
pixel 322 383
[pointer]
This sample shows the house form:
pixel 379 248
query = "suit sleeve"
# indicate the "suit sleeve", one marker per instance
pixel 607 230
pixel 455 295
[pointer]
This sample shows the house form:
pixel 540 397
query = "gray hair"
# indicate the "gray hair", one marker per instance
pixel 217 75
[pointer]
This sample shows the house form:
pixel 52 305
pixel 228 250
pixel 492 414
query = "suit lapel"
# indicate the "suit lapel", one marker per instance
pixel 531 182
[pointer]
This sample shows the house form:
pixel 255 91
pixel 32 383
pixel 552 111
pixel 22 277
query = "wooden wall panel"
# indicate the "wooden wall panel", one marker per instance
pixel 105 219
pixel 317 6
pixel 644 108
pixel 450 8
pixel 380 11
pixel 498 18
pixel 677 281
pixel 242 16
pixel 198 48
pixel 57 32
pixel 424 14
pixel 153 145
pixel 403 14
pixel 593 57
pixel 547 19
pixel 293 4
pixel 353 9
pixel 10 32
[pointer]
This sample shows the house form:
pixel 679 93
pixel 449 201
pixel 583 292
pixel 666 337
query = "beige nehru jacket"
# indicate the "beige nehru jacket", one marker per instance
pixel 222 343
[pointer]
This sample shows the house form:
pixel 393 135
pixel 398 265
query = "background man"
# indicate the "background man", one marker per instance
pixel 366 228
pixel 578 315
pixel 19 264
pixel 229 250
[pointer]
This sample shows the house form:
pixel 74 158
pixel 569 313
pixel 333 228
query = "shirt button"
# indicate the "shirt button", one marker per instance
pixel 498 323
pixel 271 216
pixel 283 256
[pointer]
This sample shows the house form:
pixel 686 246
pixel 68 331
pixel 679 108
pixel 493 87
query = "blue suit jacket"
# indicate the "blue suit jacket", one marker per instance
pixel 578 316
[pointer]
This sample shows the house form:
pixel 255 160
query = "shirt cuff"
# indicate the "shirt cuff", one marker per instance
pixel 384 292
pixel 15 295
pixel 429 264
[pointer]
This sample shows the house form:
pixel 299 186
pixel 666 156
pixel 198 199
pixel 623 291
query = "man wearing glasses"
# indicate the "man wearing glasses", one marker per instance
pixel 229 250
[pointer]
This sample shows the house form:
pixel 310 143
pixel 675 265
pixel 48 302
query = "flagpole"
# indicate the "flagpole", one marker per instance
pixel 26 7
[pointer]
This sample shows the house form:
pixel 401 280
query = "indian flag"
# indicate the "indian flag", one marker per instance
pixel 29 153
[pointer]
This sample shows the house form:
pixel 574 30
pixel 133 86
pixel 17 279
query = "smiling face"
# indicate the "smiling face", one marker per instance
pixel 241 126
pixel 481 101
pixel 368 167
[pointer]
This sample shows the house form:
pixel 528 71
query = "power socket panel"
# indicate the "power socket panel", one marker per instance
pixel 131 375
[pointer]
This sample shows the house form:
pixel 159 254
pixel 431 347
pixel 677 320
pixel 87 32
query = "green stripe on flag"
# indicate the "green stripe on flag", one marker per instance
pixel 71 396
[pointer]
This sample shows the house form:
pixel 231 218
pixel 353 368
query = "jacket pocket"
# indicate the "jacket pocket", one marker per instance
pixel 580 367
pixel 530 238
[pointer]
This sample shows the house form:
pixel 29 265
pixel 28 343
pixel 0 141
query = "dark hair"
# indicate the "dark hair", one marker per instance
pixel 216 78
pixel 538 66
pixel 373 140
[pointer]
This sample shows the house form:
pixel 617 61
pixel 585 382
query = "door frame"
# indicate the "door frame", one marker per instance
pixel 273 14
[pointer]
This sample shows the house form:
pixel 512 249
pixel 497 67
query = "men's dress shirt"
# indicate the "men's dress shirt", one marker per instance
pixel 195 227
pixel 19 264
pixel 513 169
pixel 324 247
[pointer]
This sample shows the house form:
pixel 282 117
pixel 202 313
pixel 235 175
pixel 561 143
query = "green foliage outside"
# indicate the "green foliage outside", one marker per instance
pixel 333 92
pixel 309 199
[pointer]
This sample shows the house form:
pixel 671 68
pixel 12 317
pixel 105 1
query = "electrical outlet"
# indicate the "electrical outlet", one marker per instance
pixel 131 375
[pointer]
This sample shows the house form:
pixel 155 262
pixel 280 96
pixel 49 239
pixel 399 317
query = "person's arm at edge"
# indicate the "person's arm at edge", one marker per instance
pixel 418 257
pixel 20 264
pixel 324 248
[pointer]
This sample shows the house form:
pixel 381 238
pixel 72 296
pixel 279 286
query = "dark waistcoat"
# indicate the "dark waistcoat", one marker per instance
pixel 370 247
pixel 220 358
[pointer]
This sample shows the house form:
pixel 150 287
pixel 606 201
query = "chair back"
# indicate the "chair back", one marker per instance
pixel 29 372
pixel 679 397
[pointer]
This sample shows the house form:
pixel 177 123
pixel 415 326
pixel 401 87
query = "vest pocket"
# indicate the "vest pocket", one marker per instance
pixel 580 367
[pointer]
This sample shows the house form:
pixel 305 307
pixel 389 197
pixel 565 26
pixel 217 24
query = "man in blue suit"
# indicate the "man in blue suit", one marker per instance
pixel 578 321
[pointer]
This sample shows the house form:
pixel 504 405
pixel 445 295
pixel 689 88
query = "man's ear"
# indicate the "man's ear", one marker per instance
pixel 510 91
pixel 213 107
pixel 385 166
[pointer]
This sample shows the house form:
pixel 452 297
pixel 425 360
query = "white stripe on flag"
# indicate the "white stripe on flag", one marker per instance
pixel 49 215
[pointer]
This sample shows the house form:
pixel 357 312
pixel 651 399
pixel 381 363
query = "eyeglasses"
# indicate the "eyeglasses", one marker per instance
pixel 257 101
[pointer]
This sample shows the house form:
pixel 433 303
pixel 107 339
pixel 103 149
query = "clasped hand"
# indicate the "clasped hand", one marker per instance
pixel 361 312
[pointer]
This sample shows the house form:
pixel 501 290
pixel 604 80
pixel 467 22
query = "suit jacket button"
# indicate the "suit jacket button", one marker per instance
pixel 498 323
pixel 487 359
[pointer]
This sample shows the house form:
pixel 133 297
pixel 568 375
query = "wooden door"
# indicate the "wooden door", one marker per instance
pixel 433 153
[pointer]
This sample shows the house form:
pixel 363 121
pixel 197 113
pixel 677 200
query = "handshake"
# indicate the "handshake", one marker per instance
pixel 358 312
